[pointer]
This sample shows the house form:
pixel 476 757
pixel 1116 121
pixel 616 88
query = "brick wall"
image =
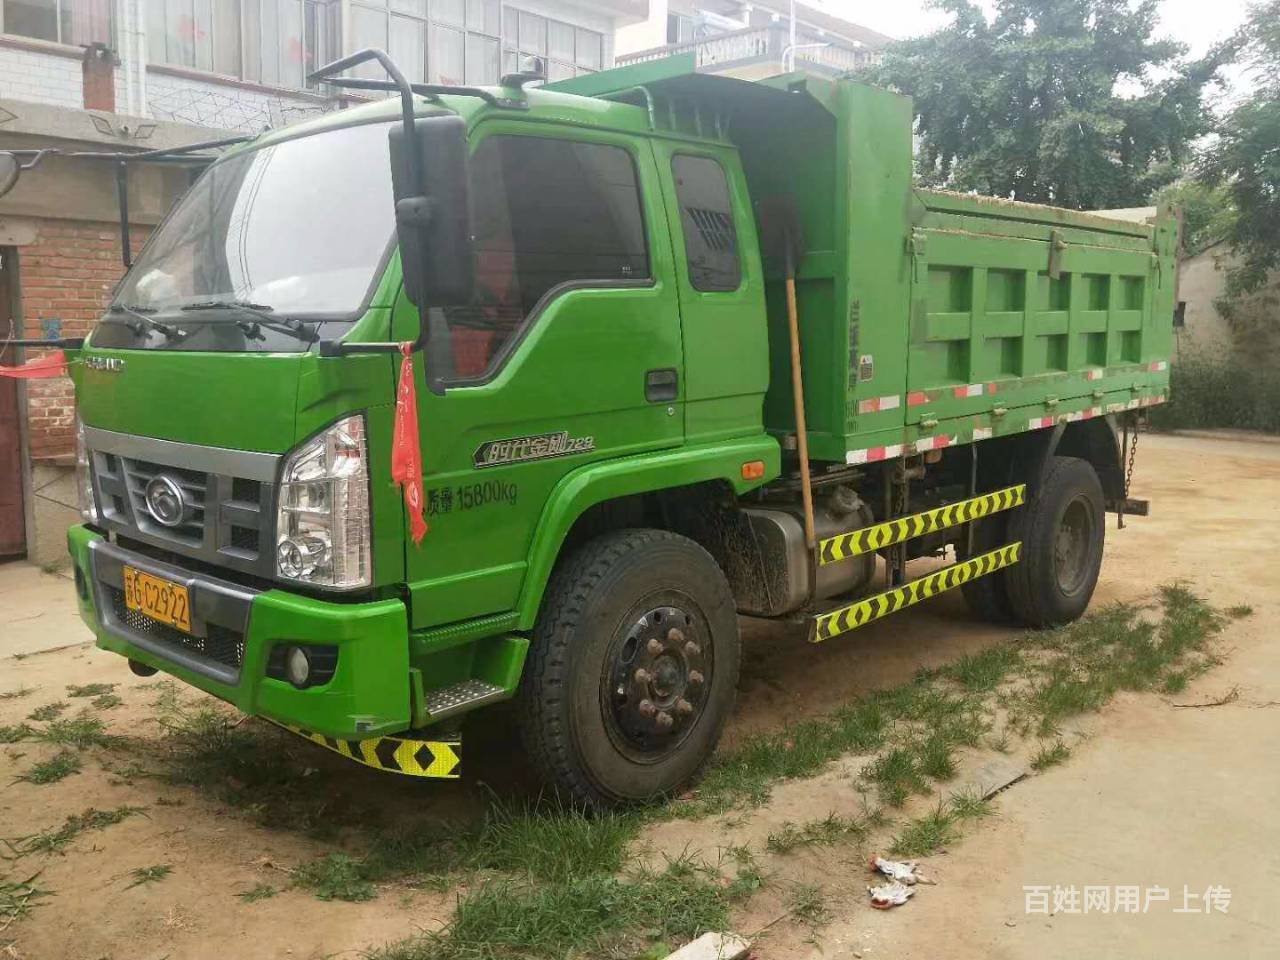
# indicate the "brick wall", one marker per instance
pixel 41 77
pixel 67 275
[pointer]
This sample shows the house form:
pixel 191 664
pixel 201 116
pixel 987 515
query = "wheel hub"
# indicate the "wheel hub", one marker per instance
pixel 657 679
pixel 1071 546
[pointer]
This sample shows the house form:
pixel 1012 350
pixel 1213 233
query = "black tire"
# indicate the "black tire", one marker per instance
pixel 581 706
pixel 1062 530
pixel 988 597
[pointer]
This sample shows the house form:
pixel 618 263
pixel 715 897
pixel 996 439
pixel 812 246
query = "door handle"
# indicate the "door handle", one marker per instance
pixel 661 386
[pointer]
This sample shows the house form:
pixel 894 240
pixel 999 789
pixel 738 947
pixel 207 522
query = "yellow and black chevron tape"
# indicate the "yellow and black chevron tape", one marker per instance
pixel 859 614
pixel 881 535
pixel 440 759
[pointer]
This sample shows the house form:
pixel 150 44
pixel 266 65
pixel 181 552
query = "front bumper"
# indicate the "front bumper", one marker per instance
pixel 235 629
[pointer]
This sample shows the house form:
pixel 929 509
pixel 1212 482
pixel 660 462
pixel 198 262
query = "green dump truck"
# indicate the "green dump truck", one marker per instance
pixel 686 347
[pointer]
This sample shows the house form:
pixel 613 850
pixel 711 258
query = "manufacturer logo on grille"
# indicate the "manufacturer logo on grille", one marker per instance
pixel 105 364
pixel 494 453
pixel 166 502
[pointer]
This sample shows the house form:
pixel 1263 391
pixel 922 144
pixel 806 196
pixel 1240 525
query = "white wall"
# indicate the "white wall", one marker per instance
pixel 644 36
pixel 41 78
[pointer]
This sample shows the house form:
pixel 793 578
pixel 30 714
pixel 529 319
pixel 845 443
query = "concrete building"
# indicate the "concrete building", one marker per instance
pixel 750 39
pixel 148 74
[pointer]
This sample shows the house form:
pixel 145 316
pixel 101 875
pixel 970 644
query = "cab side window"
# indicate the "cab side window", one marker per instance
pixel 546 213
pixel 706 215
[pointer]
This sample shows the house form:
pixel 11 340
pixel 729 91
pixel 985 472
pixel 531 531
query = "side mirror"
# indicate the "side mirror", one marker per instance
pixel 433 212
pixel 10 170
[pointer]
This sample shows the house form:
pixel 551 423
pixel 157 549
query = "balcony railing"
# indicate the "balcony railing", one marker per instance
pixel 761 44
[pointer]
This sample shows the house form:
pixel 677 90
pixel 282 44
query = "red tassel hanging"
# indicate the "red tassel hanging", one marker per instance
pixel 42 368
pixel 406 453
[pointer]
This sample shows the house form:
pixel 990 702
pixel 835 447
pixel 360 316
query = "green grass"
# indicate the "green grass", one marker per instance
pixel 335 876
pixel 79 732
pixel 969 804
pixel 90 689
pixel 14 732
pixel 830 830
pixel 52 770
pixel 587 916
pixel 808 904
pixel 48 711
pixel 980 672
pixel 16 899
pixel 748 877
pixel 17 694
pixel 1050 756
pixel 154 874
pixel 925 835
pixel 106 701
pixel 56 839
pixel 259 891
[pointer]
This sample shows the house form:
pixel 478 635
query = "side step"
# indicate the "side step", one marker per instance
pixel 461 697
pixel 858 614
pixel 881 535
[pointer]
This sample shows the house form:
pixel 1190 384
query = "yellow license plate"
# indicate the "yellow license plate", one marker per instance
pixel 158 598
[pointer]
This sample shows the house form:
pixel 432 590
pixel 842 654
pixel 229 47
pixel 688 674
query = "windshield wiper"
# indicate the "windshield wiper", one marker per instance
pixel 262 318
pixel 144 323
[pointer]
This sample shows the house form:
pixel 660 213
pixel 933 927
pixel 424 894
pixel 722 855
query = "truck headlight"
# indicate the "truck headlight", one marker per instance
pixel 84 478
pixel 322 527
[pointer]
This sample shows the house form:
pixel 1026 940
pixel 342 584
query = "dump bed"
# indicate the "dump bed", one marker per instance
pixel 932 318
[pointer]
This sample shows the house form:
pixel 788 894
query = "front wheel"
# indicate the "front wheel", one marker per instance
pixel 632 670
pixel 1062 531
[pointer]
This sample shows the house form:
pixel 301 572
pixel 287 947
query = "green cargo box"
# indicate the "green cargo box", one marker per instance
pixel 927 318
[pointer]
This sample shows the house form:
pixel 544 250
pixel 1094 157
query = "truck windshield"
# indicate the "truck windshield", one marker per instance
pixel 296 230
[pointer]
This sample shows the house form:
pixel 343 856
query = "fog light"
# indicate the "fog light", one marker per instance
pixel 297 666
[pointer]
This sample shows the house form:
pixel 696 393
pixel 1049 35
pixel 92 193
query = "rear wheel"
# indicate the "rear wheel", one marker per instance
pixel 632 670
pixel 1062 531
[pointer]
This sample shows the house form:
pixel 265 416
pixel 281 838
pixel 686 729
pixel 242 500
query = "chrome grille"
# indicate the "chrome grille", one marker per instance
pixel 231 522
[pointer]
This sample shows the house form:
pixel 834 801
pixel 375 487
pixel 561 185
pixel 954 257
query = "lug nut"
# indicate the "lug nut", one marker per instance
pixel 684 707
pixel 641 675
pixel 691 649
pixel 695 677
pixel 647 709
pixel 654 646
pixel 665 721
pixel 675 635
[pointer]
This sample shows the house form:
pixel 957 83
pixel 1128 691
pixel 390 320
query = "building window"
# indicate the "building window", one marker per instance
pixel 569 51
pixel 553 212
pixel 706 214
pixel 275 42
pixel 77 23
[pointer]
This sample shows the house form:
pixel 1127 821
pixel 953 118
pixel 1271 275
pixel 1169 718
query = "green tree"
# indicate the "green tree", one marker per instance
pixel 1069 102
pixel 1208 213
pixel 1245 159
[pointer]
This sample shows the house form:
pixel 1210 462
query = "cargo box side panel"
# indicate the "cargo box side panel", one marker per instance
pixel 999 321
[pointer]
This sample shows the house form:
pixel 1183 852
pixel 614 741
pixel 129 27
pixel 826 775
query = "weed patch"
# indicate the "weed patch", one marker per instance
pixel 259 891
pixel 48 711
pixel 335 876
pixel 52 770
pixel 816 833
pixel 153 874
pixel 79 732
pixel 808 905
pixel 1050 756
pixel 90 689
pixel 15 732
pixel 56 839
pixel 925 835
pixel 107 701
pixel 17 898
pixel 586 916
pixel 17 694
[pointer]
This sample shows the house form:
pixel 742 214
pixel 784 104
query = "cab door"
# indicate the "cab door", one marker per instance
pixel 721 287
pixel 569 354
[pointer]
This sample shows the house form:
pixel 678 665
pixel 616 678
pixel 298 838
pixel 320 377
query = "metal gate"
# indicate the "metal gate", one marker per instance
pixel 12 523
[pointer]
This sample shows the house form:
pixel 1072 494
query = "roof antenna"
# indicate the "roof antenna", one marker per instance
pixel 531 69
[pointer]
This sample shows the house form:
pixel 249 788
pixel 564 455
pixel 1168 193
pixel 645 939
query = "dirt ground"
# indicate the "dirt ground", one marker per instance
pixel 1155 795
